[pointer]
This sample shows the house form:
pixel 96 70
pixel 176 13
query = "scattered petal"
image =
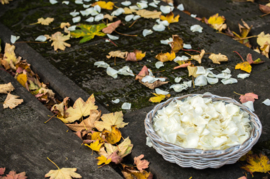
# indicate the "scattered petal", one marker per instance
pixel 53 1
pixel 200 81
pixel 74 13
pixel 181 7
pixel 118 12
pixel 159 27
pixel 13 38
pixel 113 37
pixel 182 58
pixel 167 41
pixel 112 72
pixel 166 9
pixel 129 17
pixel 126 3
pixel 177 79
pixel 243 75
pixel 229 81
pixel 76 19
pixel 99 17
pixel 193 15
pixel 196 28
pixel 90 19
pixel 101 64
pixel 159 64
pixel 266 102
pixel 187 46
pixel 147 32
pixel 126 106
pixel 116 101
pixel 159 91
pixel 65 2
pixel 125 71
pixel 41 38
pixel 249 104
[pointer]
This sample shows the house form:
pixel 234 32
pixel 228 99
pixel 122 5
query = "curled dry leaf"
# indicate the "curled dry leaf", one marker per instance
pixel 46 21
pixel 184 65
pixel 148 14
pixel 59 41
pixel 198 58
pixel 5 88
pixel 61 108
pixel 265 9
pixel 108 16
pixel 111 27
pixel 217 58
pixel 170 18
pixel 109 120
pixel 5 1
pixel 217 22
pixel 164 57
pixel 244 31
pixel 192 71
pixel 9 59
pixel 134 174
pixel 176 44
pixel 141 164
pixel 158 98
pixel 104 5
pixel 257 164
pixel 245 66
pixel 112 136
pixel 67 173
pixel 118 54
pixel 248 97
pixel 64 24
pixel 250 61
pixel 11 101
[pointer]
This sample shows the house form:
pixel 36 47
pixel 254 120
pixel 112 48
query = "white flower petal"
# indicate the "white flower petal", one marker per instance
pixel 167 41
pixel 227 70
pixel 179 87
pixel 99 17
pixel 147 32
pixel 153 4
pixel 159 64
pixel 165 23
pixel 136 17
pixel 224 75
pixel 74 13
pixel 116 101
pixel 133 7
pixel 200 81
pixel 243 75
pixel 200 70
pixel 86 6
pixel 118 12
pixel 149 79
pixel 229 81
pixel 182 58
pixel 78 2
pixel 159 91
pixel 97 8
pixel 41 38
pixel 126 106
pixel 249 104
pixel 129 17
pixel 142 5
pixel 193 15
pixel 212 80
pixel 266 102
pixel 166 9
pixel 76 19
pixel 90 19
pixel 156 2
pixel 196 28
pixel 187 46
pixel 65 2
pixel 72 28
pixel 148 142
pixel 87 0
pixel 181 7
pixel 14 38
pixel 126 3
pixel 177 79
pixel 53 1
pixel 101 64
pixel 126 71
pixel 113 37
pixel 159 27
pixel 112 72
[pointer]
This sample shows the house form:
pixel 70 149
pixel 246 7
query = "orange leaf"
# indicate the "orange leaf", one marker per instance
pixel 245 66
pixel 141 164
pixel 111 27
pixel 248 97
pixel 185 65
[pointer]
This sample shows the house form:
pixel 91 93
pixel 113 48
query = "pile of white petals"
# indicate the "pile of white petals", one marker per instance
pixel 200 123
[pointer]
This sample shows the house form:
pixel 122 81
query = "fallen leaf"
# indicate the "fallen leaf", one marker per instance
pixel 164 57
pixel 144 71
pixel 113 136
pixel 5 1
pixel 184 65
pixel 192 71
pixel 141 164
pixel 22 79
pixel 154 85
pixel 102 159
pixel 88 32
pixel 243 177
pixel 263 39
pixel 63 173
pixel 245 66
pixel 265 9
pixel 59 41
pixel 170 18
pixel 46 21
pixel 198 58
pixel 125 147
pixel 148 14
pixel 108 16
pixel 248 97
pixel 10 57
pixel 5 88
pixel 158 98
pixel 80 109
pixel 217 22
pixel 88 123
pixel 250 61
pixel 110 149
pixel 64 24
pixel 2 171
pixel 104 5
pixel 176 44
pixel 61 108
pixel 244 31
pixel 257 164
pixel 115 158
pixel 217 58
pixel 13 175
pixel 135 56
pixel 111 27
pixel 134 174
pixel 118 54
pixel 95 145
pixel 265 50
pixel 97 136
pixel 11 101
pixel 109 120
pixel 129 11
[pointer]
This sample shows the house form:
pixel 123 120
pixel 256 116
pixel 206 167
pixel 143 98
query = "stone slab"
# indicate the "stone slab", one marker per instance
pixel 26 141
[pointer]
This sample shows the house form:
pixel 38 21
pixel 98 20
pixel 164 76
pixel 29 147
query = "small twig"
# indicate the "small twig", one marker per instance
pixel 111 41
pixel 188 54
pixel 49 119
pixel 158 71
pixel 191 50
pixel 133 23
pixel 53 163
pixel 126 34
pixel 245 37
pixel 239 55
pixel 193 82
pixel 265 14
pixel 34 23
pixel 238 93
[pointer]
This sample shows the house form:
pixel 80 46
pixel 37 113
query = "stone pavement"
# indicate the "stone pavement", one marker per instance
pixel 71 73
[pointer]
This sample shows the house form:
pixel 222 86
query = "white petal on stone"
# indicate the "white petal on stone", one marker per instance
pixel 212 80
pixel 159 27
pixel 112 72
pixel 227 70
pixel 200 70
pixel 156 2
pixel 266 102
pixel 165 23
pixel 177 79
pixel 166 9
pixel 84 13
pixel 153 4
pixel 149 79
pixel 99 17
pixel 136 17
pixel 101 64
pixel 133 7
pixel 182 58
pixel 193 15
pixel 87 0
pixel 167 41
pixel 126 3
pixel 187 46
pixel 53 1
pixel 181 7
pixel 116 101
pixel 200 81
pixel 90 11
pixel 125 71
pixel 72 28
pixel 179 87
pixel 76 19
pixel 113 37
pixel 224 75
pixel 148 142
pixel 196 28
pixel 229 81
pixel 65 2
pixel 74 13
pixel 14 38
pixel 150 72
pixel 249 104
pixel 97 8
pixel 188 83
pixel 159 64
pixel 159 91
pixel 126 106
pixel 243 75
pixel 86 6
pixel 107 40
pixel 142 5
pixel 147 32
pixel 118 12
pixel 78 2
pixel 129 17
pixel 41 38
pixel 90 19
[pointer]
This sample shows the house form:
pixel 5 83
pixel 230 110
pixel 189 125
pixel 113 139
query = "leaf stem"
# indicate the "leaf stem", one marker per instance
pixel 239 55
pixel 34 23
pixel 53 163
pixel 133 23
pixel 188 54
pixel 265 14
pixel 238 93
pixel 245 37
pixel 193 82
pixel 49 119
pixel 126 34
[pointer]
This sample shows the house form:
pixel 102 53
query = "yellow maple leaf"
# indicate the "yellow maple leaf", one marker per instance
pixel 109 120
pixel 113 136
pixel 130 174
pixel 245 66
pixel 10 57
pixel 217 58
pixel 95 145
pixel 164 57
pixel 11 101
pixel 217 22
pixel 158 98
pixel 104 5
pixel 102 159
pixel 97 136
pixel 139 54
pixel 4 88
pixel 192 71
pixel 63 173
pixel 170 18
pixel 22 79
pixel 80 109
pixel 148 14
pixel 46 21
pixel 257 164
pixel 265 50
pixel 59 40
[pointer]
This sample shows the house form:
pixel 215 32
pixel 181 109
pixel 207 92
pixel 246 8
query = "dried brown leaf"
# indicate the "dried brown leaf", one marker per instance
pixel 111 27
pixel 11 101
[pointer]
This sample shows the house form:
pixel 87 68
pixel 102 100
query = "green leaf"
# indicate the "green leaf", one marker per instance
pixel 88 32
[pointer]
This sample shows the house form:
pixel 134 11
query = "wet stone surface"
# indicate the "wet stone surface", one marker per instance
pixel 77 62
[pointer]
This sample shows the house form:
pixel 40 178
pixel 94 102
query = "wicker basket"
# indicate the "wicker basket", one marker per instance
pixel 198 158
